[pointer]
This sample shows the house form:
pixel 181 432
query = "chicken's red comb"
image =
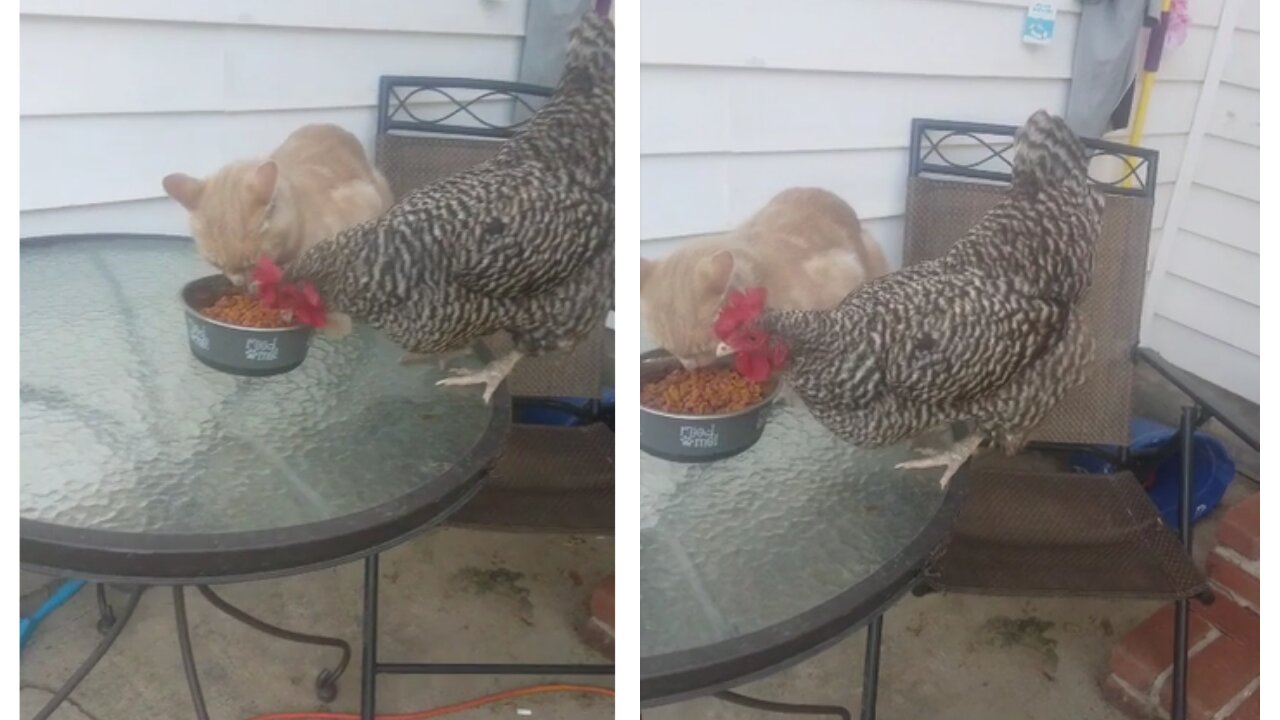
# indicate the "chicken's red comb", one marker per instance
pixel 748 302
pixel 304 302
pixel 267 273
pixel 740 307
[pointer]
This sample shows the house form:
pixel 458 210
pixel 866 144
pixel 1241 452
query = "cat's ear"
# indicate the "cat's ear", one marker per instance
pixel 646 269
pixel 183 188
pixel 717 271
pixel 262 182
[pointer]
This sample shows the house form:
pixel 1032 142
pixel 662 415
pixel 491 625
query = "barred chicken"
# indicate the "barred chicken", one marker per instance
pixel 522 243
pixel 988 334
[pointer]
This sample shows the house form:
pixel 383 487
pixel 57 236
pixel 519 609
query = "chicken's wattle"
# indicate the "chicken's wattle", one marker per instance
pixel 302 301
pixel 756 354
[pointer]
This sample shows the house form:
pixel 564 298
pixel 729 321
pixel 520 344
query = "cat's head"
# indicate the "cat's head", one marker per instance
pixel 679 298
pixel 238 215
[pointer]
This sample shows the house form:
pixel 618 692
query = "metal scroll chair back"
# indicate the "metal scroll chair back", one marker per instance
pixel 959 171
pixel 1029 531
pixel 548 478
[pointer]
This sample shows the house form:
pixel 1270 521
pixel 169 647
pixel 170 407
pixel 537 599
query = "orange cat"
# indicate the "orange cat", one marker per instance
pixel 806 247
pixel 315 185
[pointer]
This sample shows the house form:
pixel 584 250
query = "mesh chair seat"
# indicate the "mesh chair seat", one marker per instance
pixel 1031 532
pixel 548 478
pixel 1062 534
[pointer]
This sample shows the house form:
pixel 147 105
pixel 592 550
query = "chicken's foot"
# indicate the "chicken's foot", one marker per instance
pixel 442 359
pixel 491 375
pixel 951 459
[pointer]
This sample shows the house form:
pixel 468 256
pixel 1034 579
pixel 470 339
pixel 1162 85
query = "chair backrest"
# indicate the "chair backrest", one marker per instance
pixel 959 171
pixel 430 128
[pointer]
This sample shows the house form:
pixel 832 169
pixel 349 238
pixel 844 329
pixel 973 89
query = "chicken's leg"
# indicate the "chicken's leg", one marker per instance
pixel 442 358
pixel 950 459
pixel 491 375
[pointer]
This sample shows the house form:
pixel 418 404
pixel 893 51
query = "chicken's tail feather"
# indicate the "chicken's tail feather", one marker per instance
pixel 1049 154
pixel 591 45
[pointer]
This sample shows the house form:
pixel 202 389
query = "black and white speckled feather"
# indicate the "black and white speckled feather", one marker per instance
pixel 988 333
pixel 522 243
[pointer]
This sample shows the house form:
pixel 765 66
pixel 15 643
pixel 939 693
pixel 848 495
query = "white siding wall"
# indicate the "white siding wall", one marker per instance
pixel 743 98
pixel 115 95
pixel 1202 305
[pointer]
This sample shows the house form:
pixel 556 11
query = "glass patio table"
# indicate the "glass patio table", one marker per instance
pixel 755 562
pixel 142 466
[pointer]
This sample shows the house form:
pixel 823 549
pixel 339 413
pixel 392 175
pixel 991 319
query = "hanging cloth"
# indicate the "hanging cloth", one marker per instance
pixel 1105 64
pixel 547 26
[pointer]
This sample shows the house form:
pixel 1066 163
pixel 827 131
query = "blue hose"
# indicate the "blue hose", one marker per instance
pixel 55 601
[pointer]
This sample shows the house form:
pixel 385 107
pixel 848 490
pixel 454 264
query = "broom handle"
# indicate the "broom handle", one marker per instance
pixel 1150 66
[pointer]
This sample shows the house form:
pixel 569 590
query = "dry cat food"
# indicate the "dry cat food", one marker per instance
pixel 243 310
pixel 701 391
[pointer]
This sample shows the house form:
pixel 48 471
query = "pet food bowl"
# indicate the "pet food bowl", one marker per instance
pixel 697 438
pixel 255 352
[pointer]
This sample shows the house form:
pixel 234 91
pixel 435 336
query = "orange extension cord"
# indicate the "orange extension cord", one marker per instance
pixel 449 709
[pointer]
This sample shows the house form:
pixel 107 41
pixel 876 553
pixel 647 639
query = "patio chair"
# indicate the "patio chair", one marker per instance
pixel 549 478
pixel 1033 533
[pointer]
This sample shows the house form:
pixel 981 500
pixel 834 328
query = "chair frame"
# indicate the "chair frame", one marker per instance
pixel 390 118
pixel 392 107
pixel 1141 165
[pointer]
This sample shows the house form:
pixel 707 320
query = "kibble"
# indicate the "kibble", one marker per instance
pixel 243 310
pixel 701 391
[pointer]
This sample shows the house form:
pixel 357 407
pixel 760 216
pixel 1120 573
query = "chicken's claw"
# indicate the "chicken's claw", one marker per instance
pixel 952 459
pixel 491 375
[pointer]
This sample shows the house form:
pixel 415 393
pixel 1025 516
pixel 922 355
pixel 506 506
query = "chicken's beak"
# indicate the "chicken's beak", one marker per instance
pixel 723 350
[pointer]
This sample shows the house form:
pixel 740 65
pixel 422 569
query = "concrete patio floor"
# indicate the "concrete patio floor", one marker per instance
pixel 453 595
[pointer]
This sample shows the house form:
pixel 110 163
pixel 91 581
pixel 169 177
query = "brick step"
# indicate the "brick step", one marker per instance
pixel 597 631
pixel 1223 639
pixel 1236 577
pixel 1223 674
pixel 1240 528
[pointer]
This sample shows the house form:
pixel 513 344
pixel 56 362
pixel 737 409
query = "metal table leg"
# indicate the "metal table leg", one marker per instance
pixel 106 615
pixel 369 652
pixel 370 668
pixel 188 657
pixel 327 681
pixel 783 708
pixel 871 669
pixel 94 657
pixel 870 684
pixel 1178 711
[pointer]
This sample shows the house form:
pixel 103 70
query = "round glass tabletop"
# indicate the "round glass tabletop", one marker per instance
pixel 139 461
pixel 749 563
